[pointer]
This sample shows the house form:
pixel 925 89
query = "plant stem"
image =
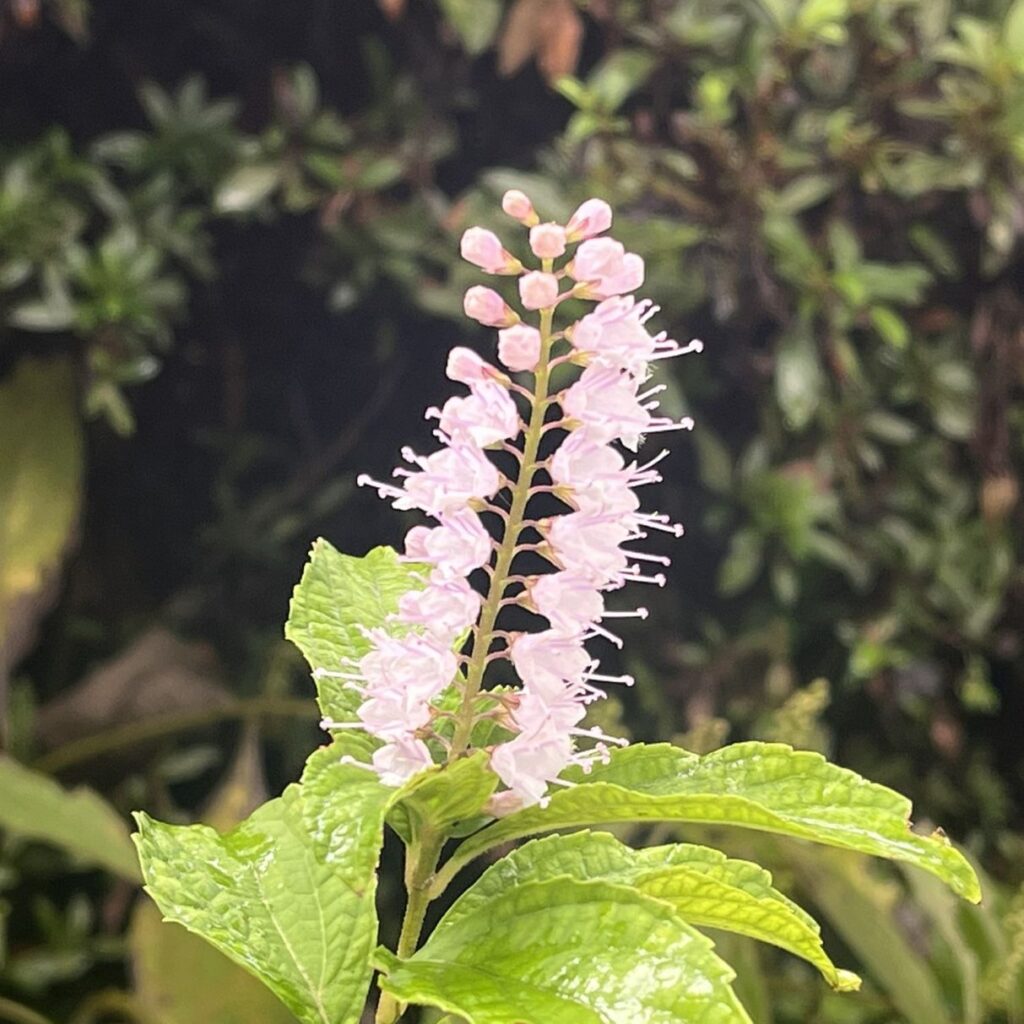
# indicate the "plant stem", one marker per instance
pixel 507 550
pixel 421 862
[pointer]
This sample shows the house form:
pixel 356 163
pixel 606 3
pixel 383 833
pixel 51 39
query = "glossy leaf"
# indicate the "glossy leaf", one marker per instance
pixel 703 885
pixel 337 598
pixel 77 820
pixel 765 786
pixel 568 952
pixel 444 796
pixel 289 894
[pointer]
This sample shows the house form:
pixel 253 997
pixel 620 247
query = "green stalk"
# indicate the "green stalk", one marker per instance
pixel 507 550
pixel 421 862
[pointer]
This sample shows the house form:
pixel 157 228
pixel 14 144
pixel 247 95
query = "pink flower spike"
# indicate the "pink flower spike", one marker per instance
pixel 538 290
pixel 592 217
pixel 518 206
pixel 547 241
pixel 519 347
pixel 483 249
pixel 487 307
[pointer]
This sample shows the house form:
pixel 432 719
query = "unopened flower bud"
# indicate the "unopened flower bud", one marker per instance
pixel 487 307
pixel 483 249
pixel 519 347
pixel 517 205
pixel 547 241
pixel 592 217
pixel 465 366
pixel 538 290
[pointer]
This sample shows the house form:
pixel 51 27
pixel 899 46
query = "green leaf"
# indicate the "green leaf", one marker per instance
pixel 40 483
pixel 76 820
pixel 743 562
pixel 568 952
pixel 245 188
pixel 703 885
pixel 443 796
pixel 1013 29
pixel 475 21
pixel 289 894
pixel 799 380
pixel 891 326
pixel 764 786
pixel 337 598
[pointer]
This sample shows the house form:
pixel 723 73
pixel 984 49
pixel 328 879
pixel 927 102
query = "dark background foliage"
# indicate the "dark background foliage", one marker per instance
pixel 228 281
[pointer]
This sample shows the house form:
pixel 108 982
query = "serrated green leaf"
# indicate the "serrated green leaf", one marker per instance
pixel 78 820
pixel 765 786
pixel 289 894
pixel 568 952
pixel 443 796
pixel 337 598
pixel 705 887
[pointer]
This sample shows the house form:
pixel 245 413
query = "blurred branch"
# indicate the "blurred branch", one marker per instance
pixel 167 725
pixel 15 1013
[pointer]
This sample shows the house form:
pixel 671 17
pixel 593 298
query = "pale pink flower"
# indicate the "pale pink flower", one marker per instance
pixel 561 712
pixel 466 367
pixel 483 418
pixel 412 668
pixel 604 268
pixel 487 307
pixel 591 218
pixel 548 660
pixel 547 241
pixel 605 404
pixel 446 481
pixel 568 601
pixel 394 714
pixel 528 763
pixel 454 548
pixel 518 206
pixel 589 546
pixel 519 347
pixel 446 607
pixel 399 761
pixel 483 249
pixel 538 290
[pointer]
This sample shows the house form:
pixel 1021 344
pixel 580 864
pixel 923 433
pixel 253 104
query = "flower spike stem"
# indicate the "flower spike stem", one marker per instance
pixel 507 551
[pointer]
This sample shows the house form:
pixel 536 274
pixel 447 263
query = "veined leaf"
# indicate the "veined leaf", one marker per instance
pixel 765 786
pixel 78 820
pixel 443 796
pixel 288 894
pixel 337 598
pixel 568 952
pixel 703 885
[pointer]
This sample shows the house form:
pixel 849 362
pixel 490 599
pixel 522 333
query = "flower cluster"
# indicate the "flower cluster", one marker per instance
pixel 505 443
